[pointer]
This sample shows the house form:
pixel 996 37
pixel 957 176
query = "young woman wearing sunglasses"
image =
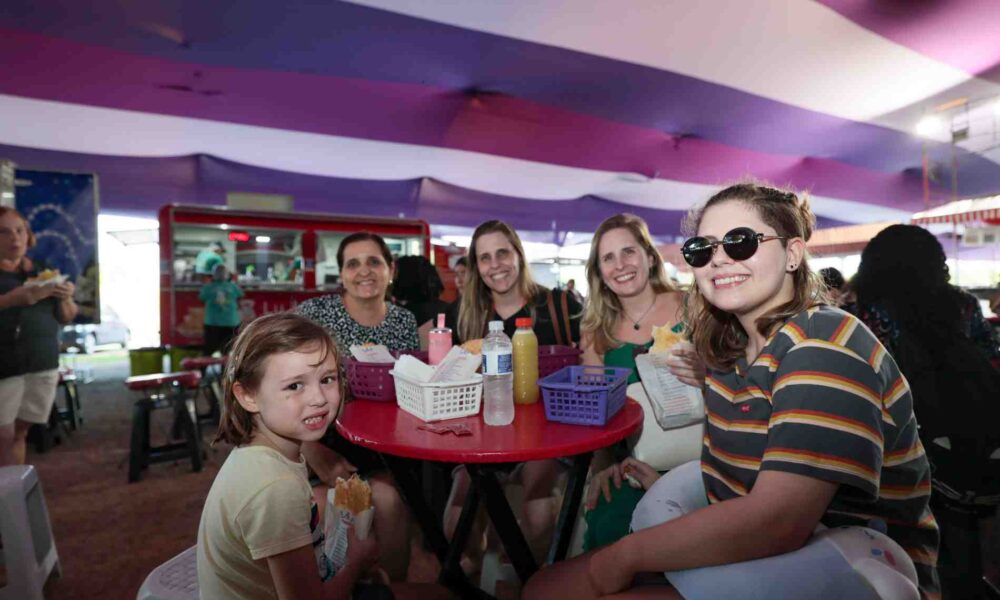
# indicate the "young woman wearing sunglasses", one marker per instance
pixel 809 423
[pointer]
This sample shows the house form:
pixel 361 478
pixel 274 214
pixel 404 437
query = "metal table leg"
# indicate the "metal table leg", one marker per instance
pixel 448 554
pixel 484 477
pixel 570 507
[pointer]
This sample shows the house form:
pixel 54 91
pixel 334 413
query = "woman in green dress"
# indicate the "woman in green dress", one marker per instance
pixel 629 294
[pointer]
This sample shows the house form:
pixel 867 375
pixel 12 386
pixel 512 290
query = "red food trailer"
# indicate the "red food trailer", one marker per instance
pixel 278 259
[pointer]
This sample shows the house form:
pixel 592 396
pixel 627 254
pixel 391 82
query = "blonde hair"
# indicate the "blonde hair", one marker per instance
pixel 717 335
pixel 268 335
pixel 477 300
pixel 604 309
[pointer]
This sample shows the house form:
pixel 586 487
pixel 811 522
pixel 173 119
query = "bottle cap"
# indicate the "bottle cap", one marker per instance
pixel 440 321
pixel 523 322
pixel 496 326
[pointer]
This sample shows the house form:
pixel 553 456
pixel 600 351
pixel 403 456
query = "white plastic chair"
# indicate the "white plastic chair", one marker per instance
pixel 29 551
pixel 662 450
pixel 176 579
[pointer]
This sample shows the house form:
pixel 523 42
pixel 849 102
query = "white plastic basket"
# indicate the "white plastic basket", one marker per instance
pixel 438 401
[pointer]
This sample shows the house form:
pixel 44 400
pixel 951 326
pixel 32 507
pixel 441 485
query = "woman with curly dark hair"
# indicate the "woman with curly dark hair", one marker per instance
pixel 934 330
pixel 417 287
pixel 943 346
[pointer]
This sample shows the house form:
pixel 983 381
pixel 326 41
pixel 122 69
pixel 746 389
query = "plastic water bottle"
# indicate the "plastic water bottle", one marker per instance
pixel 498 377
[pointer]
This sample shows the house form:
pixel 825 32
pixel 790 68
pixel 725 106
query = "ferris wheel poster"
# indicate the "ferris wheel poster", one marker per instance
pixel 62 211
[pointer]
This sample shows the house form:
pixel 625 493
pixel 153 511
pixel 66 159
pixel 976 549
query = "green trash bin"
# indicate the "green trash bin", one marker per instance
pixel 145 361
pixel 179 353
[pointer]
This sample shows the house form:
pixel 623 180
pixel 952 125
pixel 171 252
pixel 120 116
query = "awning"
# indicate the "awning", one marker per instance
pixel 986 210
pixel 849 239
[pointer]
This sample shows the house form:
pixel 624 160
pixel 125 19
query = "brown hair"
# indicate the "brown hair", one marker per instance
pixel 5 210
pixel 268 335
pixel 364 236
pixel 717 335
pixel 603 308
pixel 477 301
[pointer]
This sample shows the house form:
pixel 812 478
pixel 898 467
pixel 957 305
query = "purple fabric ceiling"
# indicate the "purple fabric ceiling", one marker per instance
pixel 340 69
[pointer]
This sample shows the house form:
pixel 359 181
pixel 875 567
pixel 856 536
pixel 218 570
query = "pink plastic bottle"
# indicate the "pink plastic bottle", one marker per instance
pixel 439 341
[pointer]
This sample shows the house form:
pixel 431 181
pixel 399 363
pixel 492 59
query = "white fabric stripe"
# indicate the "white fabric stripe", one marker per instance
pixel 77 128
pixel 793 51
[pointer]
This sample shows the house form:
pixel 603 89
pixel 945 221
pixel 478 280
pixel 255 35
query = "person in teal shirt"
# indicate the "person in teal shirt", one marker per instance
pixel 629 294
pixel 222 315
pixel 209 258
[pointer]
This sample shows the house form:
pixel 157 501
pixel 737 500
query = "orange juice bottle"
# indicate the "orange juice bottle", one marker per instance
pixel 525 363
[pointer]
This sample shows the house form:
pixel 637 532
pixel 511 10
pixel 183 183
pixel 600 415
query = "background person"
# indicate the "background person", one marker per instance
pixel 417 287
pixel 363 315
pixel 461 270
pixel 31 318
pixel 206 260
pixel 943 345
pixel 222 312
pixel 836 285
pixel 573 292
pixel 808 420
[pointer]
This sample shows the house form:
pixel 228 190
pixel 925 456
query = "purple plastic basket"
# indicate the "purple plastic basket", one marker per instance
pixel 586 395
pixel 372 381
pixel 553 358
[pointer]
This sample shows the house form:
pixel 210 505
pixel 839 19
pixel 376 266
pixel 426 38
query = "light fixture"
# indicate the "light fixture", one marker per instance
pixel 223 227
pixel 263 239
pixel 930 126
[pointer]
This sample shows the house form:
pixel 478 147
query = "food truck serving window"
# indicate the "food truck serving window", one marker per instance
pixel 327 242
pixel 260 258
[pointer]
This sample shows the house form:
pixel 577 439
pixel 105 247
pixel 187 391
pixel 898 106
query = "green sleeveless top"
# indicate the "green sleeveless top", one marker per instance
pixel 624 355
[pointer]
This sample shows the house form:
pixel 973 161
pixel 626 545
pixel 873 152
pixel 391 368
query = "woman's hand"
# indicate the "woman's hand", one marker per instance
pixel 686 366
pixel 640 471
pixel 609 570
pixel 26 295
pixel 600 482
pixel 64 291
pixel 363 553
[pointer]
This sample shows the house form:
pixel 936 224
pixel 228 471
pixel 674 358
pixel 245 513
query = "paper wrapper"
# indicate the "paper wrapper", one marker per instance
pixel 675 404
pixel 40 282
pixel 335 527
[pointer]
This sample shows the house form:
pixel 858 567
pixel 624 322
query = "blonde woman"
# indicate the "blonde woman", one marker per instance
pixel 629 294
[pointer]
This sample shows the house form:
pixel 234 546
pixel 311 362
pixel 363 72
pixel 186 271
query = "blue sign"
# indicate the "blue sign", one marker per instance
pixel 62 211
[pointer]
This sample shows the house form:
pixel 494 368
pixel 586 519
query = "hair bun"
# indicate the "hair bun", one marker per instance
pixel 808 219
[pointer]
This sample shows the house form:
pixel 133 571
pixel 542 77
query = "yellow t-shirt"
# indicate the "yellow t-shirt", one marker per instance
pixel 260 505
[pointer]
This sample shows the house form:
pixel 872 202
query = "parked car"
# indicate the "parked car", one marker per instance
pixel 87 337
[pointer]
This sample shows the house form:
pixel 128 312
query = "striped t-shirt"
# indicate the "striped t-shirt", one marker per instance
pixel 825 399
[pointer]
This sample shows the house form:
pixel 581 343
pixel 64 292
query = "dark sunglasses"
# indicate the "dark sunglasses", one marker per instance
pixel 740 244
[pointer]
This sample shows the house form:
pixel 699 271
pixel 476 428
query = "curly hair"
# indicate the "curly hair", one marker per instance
pixel 903 270
pixel 416 280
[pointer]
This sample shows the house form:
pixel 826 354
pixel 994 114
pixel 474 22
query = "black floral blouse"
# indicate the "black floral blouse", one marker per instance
pixel 397 332
pixel 977 328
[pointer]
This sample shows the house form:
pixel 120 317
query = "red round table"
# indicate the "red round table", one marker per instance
pixel 396 435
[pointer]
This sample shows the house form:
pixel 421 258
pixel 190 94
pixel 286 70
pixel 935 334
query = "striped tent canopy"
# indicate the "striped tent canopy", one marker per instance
pixel 985 210
pixel 552 114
